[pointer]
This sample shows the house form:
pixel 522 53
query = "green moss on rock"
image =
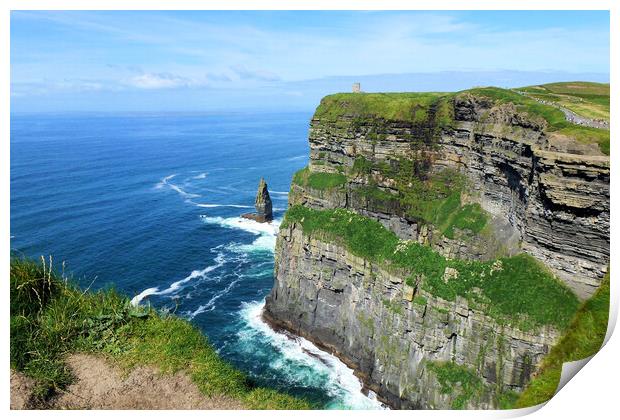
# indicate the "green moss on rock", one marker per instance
pixel 319 180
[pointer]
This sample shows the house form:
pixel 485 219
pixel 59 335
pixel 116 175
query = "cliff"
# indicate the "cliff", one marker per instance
pixel 438 242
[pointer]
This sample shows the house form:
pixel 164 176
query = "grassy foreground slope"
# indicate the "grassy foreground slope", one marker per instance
pixel 51 318
pixel 583 338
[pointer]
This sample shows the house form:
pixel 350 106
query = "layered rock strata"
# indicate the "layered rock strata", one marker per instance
pixel 542 197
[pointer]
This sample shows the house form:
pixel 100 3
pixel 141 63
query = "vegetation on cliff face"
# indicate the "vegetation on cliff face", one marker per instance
pixel 583 338
pixel 51 318
pixel 515 290
pixel 454 378
pixel 433 198
pixel 319 180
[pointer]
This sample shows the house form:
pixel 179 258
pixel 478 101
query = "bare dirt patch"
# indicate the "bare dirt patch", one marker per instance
pixel 100 385
pixel 21 391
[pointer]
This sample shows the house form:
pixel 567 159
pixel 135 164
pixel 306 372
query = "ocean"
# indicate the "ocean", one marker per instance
pixel 149 204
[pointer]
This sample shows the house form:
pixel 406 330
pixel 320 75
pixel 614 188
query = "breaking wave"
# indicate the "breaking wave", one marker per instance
pixel 266 232
pixel 302 363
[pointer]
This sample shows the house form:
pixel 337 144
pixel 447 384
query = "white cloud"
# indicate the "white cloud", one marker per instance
pixel 159 81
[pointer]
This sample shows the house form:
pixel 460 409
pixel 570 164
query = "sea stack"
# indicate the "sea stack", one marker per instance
pixel 264 210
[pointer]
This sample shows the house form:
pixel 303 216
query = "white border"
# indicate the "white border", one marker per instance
pixel 592 394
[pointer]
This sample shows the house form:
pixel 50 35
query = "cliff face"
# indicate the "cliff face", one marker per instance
pixel 370 318
pixel 512 187
pixel 541 199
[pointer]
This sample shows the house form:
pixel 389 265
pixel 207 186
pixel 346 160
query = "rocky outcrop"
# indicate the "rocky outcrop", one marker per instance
pixel 262 203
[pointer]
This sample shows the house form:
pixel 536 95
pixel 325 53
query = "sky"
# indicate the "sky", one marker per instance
pixel 284 60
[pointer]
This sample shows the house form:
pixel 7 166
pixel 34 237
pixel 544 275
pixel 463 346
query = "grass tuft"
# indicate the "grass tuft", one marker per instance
pixel 457 380
pixel 318 180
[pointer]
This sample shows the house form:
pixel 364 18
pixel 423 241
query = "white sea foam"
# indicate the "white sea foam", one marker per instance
pixel 266 232
pixel 279 192
pixel 304 363
pixel 165 182
pixel 201 176
pixel 238 206
pixel 210 305
pixel 297 158
pixel 219 261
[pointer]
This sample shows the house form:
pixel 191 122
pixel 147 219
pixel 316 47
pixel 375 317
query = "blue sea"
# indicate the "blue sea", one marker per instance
pixel 149 204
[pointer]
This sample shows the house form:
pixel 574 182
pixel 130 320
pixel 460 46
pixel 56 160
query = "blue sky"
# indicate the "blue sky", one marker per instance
pixel 209 60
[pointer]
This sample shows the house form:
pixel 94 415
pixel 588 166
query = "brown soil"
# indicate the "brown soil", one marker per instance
pixel 21 391
pixel 99 385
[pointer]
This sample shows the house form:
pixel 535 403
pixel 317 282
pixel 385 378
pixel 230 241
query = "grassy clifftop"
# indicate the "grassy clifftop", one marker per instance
pixel 410 107
pixel 50 319
pixel 590 100
pixel 584 98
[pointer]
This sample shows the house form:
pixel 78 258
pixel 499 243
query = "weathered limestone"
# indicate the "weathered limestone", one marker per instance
pixel 547 198
pixel 553 205
pixel 370 319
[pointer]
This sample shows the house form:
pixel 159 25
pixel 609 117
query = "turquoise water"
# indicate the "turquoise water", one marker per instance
pixel 150 204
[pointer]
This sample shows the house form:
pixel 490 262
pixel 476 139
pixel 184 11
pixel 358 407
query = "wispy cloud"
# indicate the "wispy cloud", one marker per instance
pixel 247 74
pixel 159 81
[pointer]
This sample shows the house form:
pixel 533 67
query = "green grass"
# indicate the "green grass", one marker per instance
pixel 456 379
pixel 420 300
pixel 553 116
pixel 411 107
pixel 514 290
pixel 51 318
pixel 469 217
pixel 588 135
pixel 588 99
pixel 434 109
pixel 319 180
pixel 583 338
